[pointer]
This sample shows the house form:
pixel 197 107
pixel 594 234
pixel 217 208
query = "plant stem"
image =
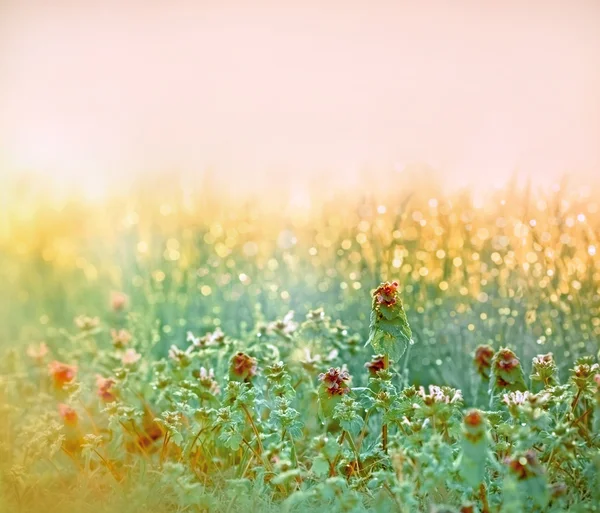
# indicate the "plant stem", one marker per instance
pixel 256 433
pixel 354 449
pixel 384 427
pixel 485 507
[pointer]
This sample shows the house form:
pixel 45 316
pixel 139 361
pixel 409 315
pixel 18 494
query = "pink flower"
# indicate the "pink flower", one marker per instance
pixel 103 386
pixel 118 301
pixel 130 357
pixel 61 373
pixel 120 338
pixel 334 381
pixel 37 352
pixel 68 414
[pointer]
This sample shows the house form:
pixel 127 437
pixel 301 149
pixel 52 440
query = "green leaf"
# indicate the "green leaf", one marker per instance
pixel 320 466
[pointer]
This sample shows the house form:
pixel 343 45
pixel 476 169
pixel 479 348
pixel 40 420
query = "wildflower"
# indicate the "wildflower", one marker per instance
pixel 242 367
pixel 334 381
pixel 334 386
pixel 68 414
pixel 103 386
pixel 515 398
pixel 376 364
pixel 317 315
pixel 474 449
pixel 584 372
pixel 483 360
pixel 130 356
pixel 207 380
pixel 507 373
pixel 525 465
pixel 544 371
pixel 438 394
pixel 37 353
pixel 85 323
pixel 217 337
pixel 285 326
pixel 61 373
pixel 389 329
pixel 179 356
pixel 118 301
pixel 120 338
pixel 310 362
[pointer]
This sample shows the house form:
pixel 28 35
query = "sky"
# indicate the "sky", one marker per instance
pixel 253 90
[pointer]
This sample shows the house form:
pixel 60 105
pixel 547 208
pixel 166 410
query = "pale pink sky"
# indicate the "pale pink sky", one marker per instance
pixel 104 88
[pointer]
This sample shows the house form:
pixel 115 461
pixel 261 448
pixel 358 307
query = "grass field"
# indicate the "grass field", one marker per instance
pixel 176 349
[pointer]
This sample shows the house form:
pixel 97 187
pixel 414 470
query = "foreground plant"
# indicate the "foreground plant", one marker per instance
pixel 389 331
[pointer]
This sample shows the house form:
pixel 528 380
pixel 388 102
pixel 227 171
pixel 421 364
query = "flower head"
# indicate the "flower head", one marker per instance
pixel 507 373
pixel 179 356
pixel 103 386
pixel 130 356
pixel 439 395
pixel 524 465
pixel 287 326
pixel 207 379
pixel 389 331
pixel 118 301
pixel 215 338
pixel 85 323
pixel 61 373
pixel 242 367
pixel 68 414
pixel 386 294
pixel 376 364
pixel 335 381
pixel 483 360
pixel 37 353
pixel 120 338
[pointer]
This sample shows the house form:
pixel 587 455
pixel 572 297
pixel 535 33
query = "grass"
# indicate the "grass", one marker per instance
pixel 194 412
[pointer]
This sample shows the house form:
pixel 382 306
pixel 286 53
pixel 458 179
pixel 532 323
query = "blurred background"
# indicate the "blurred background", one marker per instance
pixel 288 93
pixel 221 163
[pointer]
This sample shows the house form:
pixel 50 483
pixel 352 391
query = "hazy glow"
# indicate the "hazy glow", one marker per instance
pixel 258 89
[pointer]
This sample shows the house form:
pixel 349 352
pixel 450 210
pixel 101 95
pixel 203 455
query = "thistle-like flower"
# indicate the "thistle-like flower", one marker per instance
pixel 475 449
pixel 120 338
pixel 85 323
pixel 68 414
pixel 242 367
pixel 207 380
pixel 544 372
pixel 376 364
pixel 390 332
pixel 483 360
pixel 334 381
pixel 103 386
pixel 37 353
pixel 130 357
pixel 61 373
pixel 507 373
pixel 118 301
pixel 214 338
pixel 334 386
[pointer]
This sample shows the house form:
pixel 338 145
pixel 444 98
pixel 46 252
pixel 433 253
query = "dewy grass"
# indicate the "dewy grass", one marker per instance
pixel 174 358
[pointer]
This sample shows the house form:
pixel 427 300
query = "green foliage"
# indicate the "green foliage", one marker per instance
pixel 206 392
pixel 389 330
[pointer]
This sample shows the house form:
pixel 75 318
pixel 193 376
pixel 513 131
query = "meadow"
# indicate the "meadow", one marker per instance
pixel 410 350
